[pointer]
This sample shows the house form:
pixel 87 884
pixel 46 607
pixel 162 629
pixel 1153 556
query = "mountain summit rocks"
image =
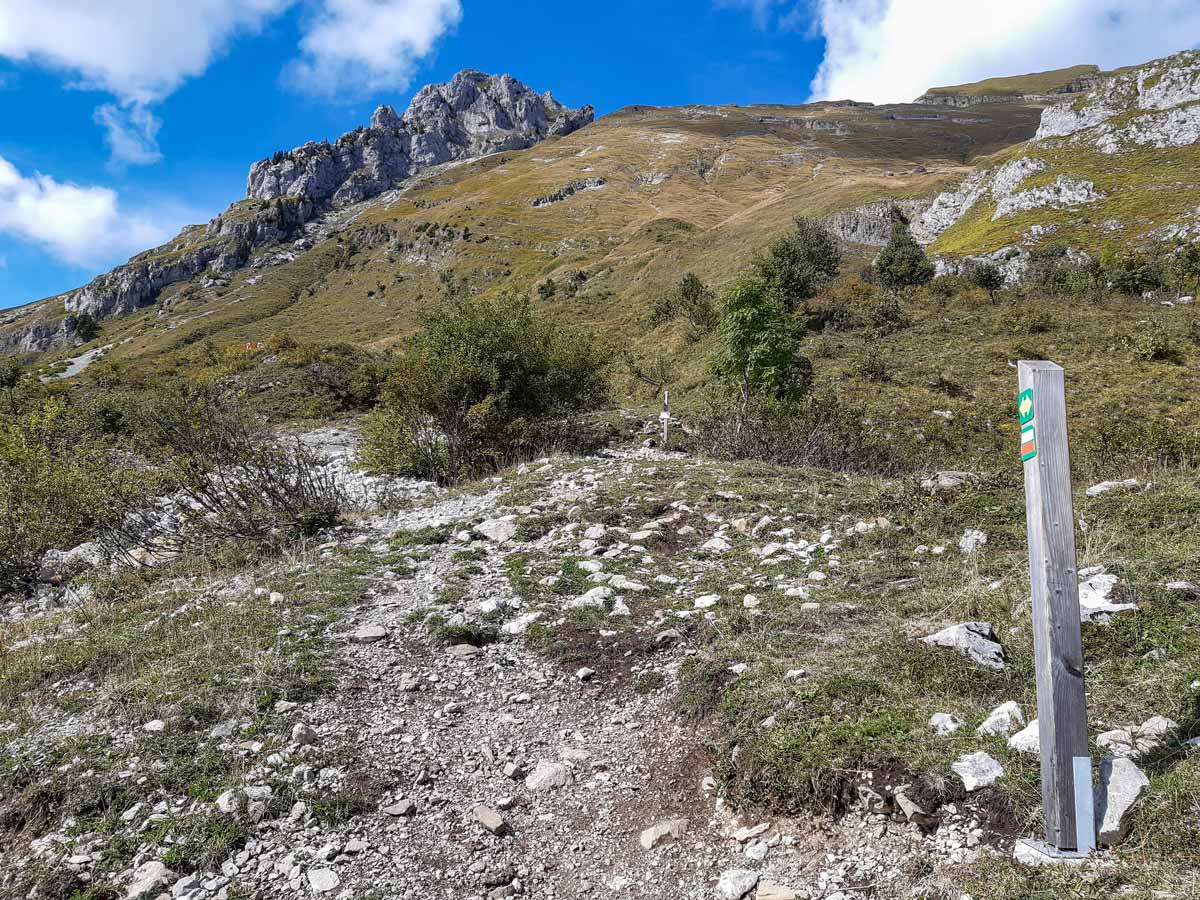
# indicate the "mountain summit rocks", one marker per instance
pixel 472 115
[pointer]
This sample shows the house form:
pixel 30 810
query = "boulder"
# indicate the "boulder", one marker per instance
pixel 1094 591
pixel 1105 487
pixel 368 634
pixel 1122 784
pixel 772 890
pixel 976 640
pixel 970 542
pixel 490 819
pixel 548 776
pixel 322 881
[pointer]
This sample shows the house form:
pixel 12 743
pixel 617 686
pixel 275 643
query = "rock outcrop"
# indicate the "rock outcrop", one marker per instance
pixel 470 116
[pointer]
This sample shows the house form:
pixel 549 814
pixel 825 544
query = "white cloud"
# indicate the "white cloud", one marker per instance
pixel 138 50
pixel 356 46
pixel 893 50
pixel 83 225
pixel 132 133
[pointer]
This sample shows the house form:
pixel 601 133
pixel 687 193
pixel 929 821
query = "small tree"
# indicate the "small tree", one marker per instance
pixel 902 263
pixel 988 277
pixel 795 267
pixel 691 298
pixel 1183 269
pixel 86 326
pixel 10 378
pixel 760 348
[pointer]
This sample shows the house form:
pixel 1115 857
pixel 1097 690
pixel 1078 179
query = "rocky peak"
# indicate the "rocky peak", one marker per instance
pixel 471 115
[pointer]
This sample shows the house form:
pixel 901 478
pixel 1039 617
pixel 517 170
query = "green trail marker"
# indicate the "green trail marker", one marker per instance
pixel 1025 406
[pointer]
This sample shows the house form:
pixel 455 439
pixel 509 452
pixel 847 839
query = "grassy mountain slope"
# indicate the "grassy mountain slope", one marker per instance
pixel 693 188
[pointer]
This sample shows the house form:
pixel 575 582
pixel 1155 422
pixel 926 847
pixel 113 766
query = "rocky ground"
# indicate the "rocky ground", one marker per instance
pixel 476 740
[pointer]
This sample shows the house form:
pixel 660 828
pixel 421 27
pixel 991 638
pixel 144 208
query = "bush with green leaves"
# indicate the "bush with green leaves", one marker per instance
pixel 1152 341
pixel 1133 273
pixel 987 277
pixel 86 327
pixel 59 482
pixel 902 263
pixel 886 315
pixel 759 354
pixel 796 266
pixel 690 298
pixel 486 383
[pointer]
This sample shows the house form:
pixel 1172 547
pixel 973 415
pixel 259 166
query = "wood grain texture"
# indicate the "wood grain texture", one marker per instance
pixel 1058 644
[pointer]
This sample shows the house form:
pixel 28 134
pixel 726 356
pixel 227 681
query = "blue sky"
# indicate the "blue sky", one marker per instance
pixel 124 120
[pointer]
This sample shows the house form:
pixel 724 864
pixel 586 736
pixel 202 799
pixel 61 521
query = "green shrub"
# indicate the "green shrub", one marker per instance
pixel 58 483
pixel 485 384
pixel 241 483
pixel 690 298
pixel 1133 273
pixel 902 263
pixel 86 327
pixel 1032 320
pixel 886 315
pixel 1151 444
pixel 760 353
pixel 795 267
pixel 987 277
pixel 1151 341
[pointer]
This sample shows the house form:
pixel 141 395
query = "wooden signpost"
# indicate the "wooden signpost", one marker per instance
pixel 1067 799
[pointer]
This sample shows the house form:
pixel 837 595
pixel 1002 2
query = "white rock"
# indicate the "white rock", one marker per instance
pixel 977 770
pixel 149 879
pixel 621 583
pixel 1105 486
pixel 716 545
pixel 1002 720
pixel 490 819
pixel 368 634
pixel 707 601
pixel 1094 591
pixel 1122 784
pixel 322 881
pixel 970 542
pixel 154 726
pixel 662 832
pixel 1027 740
pixel 548 776
pixel 976 640
pixel 303 734
pixel 498 531
pixel 944 724
pixel 593 599
pixel 941 482
pixel 734 884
